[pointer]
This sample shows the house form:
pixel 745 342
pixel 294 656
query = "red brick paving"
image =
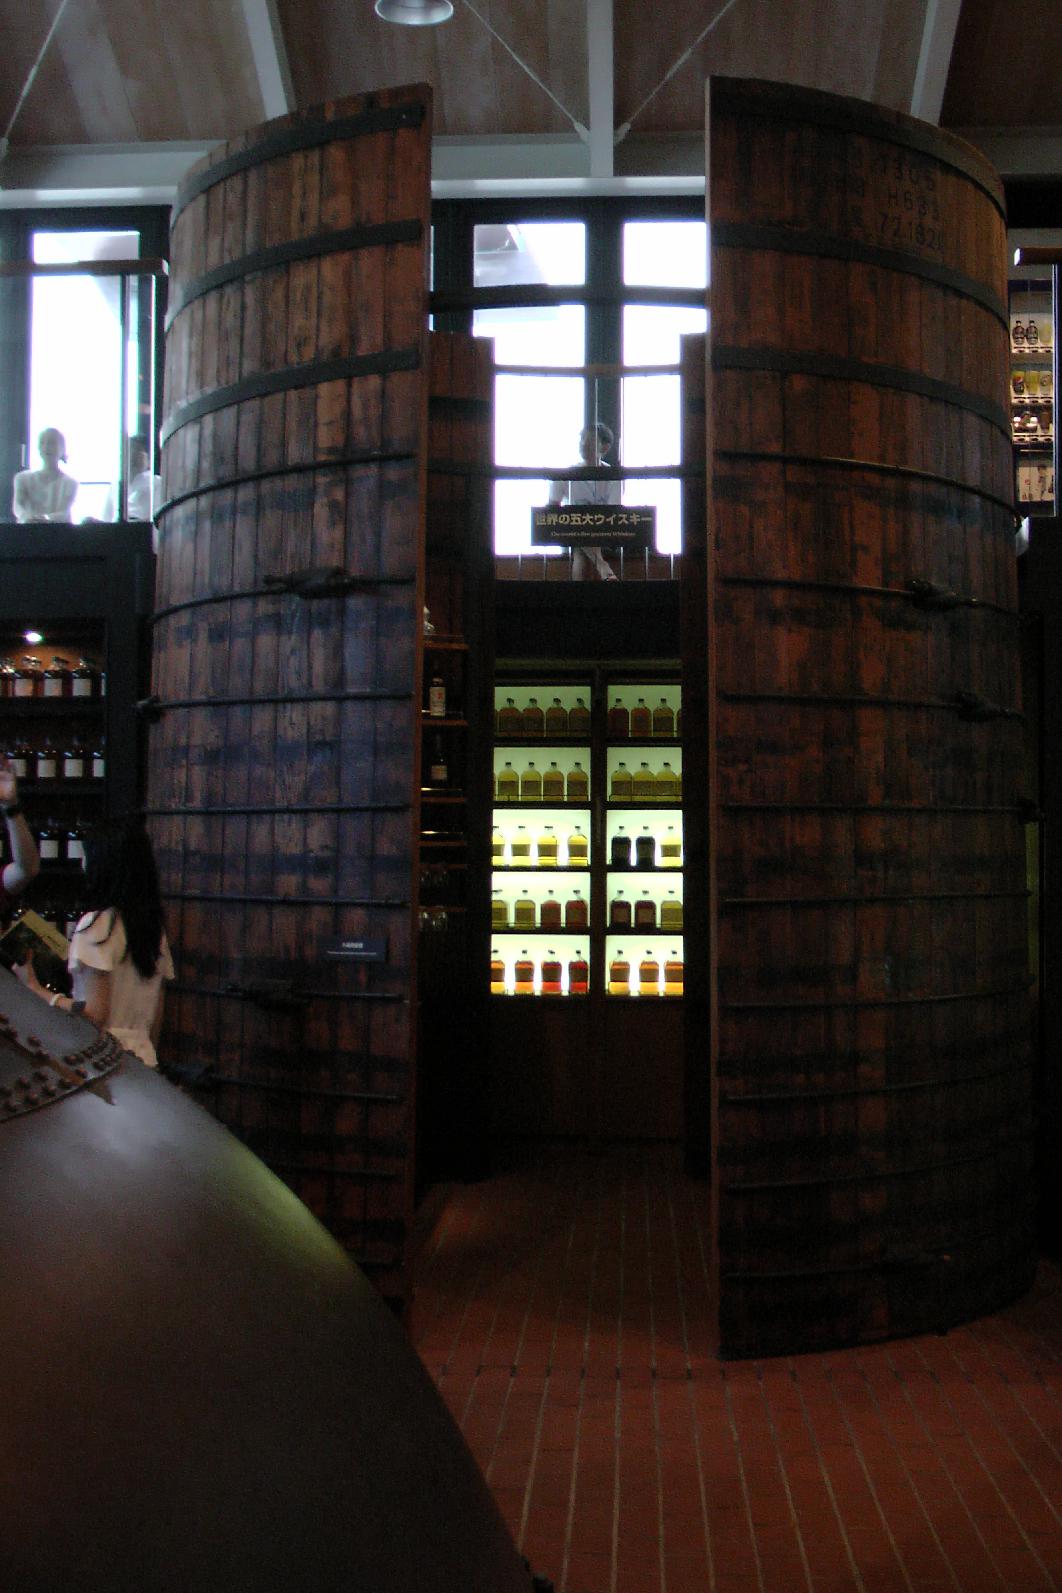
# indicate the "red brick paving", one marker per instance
pixel 562 1309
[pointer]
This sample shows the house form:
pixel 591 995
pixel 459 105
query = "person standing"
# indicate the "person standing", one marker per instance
pixel 47 493
pixel 144 491
pixel 119 955
pixel 24 862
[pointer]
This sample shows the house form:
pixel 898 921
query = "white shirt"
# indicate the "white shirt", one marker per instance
pixel 41 496
pixel 144 492
pixel 134 999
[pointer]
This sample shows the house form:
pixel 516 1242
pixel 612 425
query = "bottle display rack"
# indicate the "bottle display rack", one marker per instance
pixel 587 856
pixel 1032 399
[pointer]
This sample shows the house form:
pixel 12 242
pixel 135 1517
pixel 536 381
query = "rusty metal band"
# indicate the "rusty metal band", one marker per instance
pixel 845 589
pixel 767 239
pixel 294 140
pixel 234 899
pixel 279 701
pixel 262 591
pixel 876 466
pixel 371 236
pixel 292 378
pixel 811 107
pixel 208 1080
pixel 909 899
pixel 809 700
pixel 357 459
pixel 884 1175
pixel 840 1004
pixel 182 988
pixel 869 1091
pixel 831 367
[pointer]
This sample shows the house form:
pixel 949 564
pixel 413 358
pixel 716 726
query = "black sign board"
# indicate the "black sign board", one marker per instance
pixel 593 525
pixel 360 950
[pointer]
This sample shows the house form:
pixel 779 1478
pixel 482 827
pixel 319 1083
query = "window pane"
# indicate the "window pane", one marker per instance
pixel 652 435
pixel 553 335
pixel 76 359
pixel 537 420
pixel 548 253
pixel 667 496
pixel 651 332
pixel 665 254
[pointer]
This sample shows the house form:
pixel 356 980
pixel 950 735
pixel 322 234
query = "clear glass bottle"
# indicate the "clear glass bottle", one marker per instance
pixel 641 719
pixel 520 847
pixel 499 911
pixel 497 848
pixel 578 849
pixel 510 719
pixel 645 848
pixel 531 784
pixel 621 787
pixel 438 768
pixel 525 913
pixel 576 911
pixel 666 784
pixel 620 851
pixel 48 760
pixel 551 974
pixel 547 848
pixel 86 680
pixel 619 912
pixel 644 784
pixel 437 697
pixel 619 975
pixel 508 784
pixel 578 784
pixel 579 719
pixel 663 719
pixel 56 680
pixel 673 974
pixel 553 784
pixel 75 843
pixel 671 911
pixel 578 976
pixel 556 718
pixel 524 975
pixel 74 761
pixel 671 848
pixel 549 913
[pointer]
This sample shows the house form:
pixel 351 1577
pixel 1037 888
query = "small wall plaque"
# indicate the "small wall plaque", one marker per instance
pixel 353 949
pixel 593 525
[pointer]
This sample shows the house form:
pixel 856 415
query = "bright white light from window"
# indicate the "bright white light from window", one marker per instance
pixel 553 335
pixel 547 253
pixel 651 332
pixel 665 254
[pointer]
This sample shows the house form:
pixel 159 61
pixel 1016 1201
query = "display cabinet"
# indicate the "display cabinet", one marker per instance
pixel 586 882
pixel 1032 397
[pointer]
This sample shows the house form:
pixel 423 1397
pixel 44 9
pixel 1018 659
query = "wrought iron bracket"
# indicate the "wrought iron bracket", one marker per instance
pixel 327 581
pixel 272 995
pixel 933 597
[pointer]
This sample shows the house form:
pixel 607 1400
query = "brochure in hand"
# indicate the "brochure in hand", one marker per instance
pixel 31 934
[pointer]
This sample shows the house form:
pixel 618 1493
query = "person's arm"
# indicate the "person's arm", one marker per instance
pixel 20 504
pixel 25 863
pixel 93 986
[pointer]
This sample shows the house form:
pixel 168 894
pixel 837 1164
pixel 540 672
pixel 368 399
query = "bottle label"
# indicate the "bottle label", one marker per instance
pixel 23 686
pixel 99 767
pixel 82 686
pixel 53 686
pixel 45 766
pixel 75 850
pixel 19 766
pixel 73 768
pixel 437 702
pixel 48 848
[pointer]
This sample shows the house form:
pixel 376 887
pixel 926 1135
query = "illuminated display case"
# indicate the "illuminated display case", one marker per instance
pixel 586 880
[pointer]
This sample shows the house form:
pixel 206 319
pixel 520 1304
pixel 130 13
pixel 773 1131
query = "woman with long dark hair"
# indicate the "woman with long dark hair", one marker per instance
pixel 119 955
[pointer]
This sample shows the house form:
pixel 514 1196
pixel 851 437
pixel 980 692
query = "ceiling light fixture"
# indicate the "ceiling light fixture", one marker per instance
pixel 415 13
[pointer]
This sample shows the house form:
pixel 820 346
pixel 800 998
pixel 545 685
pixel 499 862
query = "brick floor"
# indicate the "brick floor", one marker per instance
pixel 561 1307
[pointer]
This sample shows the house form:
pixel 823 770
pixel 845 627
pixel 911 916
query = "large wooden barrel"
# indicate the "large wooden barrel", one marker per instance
pixel 871 1090
pixel 285 766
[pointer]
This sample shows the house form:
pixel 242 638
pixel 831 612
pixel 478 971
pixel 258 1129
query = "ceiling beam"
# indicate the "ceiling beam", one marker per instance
pixel 270 55
pixel 600 40
pixel 934 58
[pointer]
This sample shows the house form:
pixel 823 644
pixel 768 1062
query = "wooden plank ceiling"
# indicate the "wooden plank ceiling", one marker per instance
pixel 128 71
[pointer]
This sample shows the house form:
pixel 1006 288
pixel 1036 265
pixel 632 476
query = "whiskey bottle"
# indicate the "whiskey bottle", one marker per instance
pixel 641 719
pixel 578 785
pixel 21 757
pixel 549 913
pixel 576 911
pixel 673 974
pixel 578 976
pixel 520 848
pixel 49 841
pixel 621 787
pixel 437 697
pixel 56 680
pixel 86 680
pixel 671 912
pixel 534 720
pixel 553 784
pixel 497 973
pixel 547 848
pixel 619 975
pixel 578 849
pixel 524 913
pixel 648 976
pixel 645 912
pixel 644 784
pixel 499 911
pixel 531 785
pixel 666 784
pixel 508 784
pixel 74 761
pixel 645 848
pixel 524 975
pixel 619 912
pixel 551 974
pixel 579 719
pixel 620 852
pixel 671 848
pixel 75 843
pixel 619 721
pixel 497 848
pixel 663 719
pixel 27 677
pixel 510 719
pixel 48 760
pixel 556 718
